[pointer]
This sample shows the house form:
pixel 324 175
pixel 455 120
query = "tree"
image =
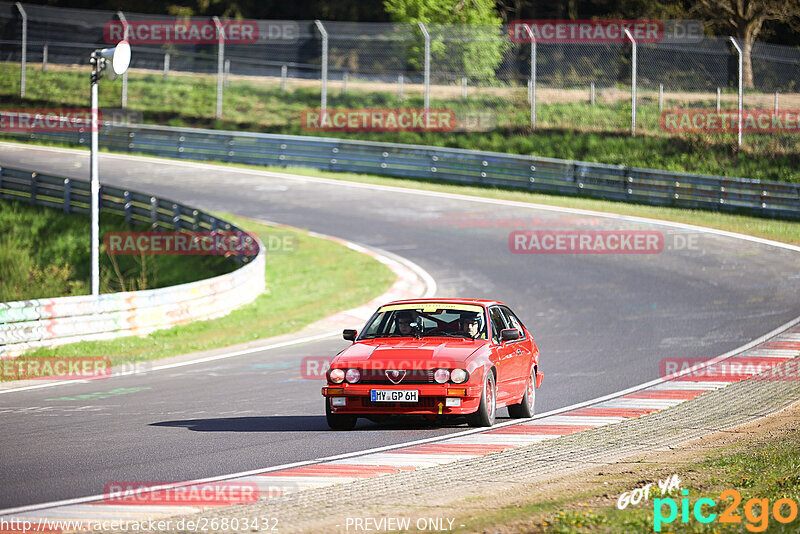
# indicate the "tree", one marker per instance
pixel 466 35
pixel 745 20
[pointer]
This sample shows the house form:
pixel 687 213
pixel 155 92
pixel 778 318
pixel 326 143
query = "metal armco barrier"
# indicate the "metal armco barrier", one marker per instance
pixel 545 175
pixel 36 323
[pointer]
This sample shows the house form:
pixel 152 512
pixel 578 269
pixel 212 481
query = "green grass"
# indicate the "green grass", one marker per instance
pixel 573 130
pixel 762 469
pixel 318 278
pixel 45 253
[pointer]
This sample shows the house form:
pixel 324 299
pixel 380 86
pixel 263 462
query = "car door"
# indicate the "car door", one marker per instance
pixel 520 356
pixel 505 356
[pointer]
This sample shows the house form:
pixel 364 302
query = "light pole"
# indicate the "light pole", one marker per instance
pixel 120 58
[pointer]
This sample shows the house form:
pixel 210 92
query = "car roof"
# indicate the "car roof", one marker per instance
pixel 480 302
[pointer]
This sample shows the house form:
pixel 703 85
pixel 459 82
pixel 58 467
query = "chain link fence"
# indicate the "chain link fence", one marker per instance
pixel 490 81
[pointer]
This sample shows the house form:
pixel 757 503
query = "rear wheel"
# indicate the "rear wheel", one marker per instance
pixel 339 421
pixel 526 406
pixel 486 411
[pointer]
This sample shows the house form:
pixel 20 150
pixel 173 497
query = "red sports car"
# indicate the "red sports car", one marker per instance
pixel 435 357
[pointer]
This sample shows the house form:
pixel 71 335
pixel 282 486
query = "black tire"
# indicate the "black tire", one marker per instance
pixel 486 411
pixel 527 406
pixel 339 421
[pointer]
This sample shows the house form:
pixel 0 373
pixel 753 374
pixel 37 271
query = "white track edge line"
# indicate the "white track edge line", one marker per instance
pixel 445 195
pixel 95 498
pixel 411 191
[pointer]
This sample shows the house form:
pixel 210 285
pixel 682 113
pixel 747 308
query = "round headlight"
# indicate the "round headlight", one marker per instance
pixel 336 376
pixel 458 376
pixel 441 376
pixel 352 376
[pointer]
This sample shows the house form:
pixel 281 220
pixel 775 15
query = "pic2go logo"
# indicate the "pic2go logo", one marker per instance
pixel 756 511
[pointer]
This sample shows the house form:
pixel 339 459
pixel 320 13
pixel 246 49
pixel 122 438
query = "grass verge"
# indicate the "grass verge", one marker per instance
pixel 318 278
pixel 569 130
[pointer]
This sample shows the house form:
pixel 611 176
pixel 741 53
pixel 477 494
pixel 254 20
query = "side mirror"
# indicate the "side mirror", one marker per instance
pixel 509 334
pixel 349 334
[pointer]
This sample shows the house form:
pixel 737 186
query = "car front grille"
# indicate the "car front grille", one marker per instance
pixel 413 376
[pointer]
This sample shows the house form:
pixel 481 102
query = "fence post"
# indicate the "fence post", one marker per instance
pixel 463 87
pixel 719 98
pixel 400 86
pixel 633 82
pixel 284 75
pixel 124 21
pixel 344 83
pixel 24 59
pixel 532 82
pixel 427 65
pixel 323 103
pixel 739 51
pixel 34 187
pixel 153 213
pixel 591 93
pixel 176 217
pixel 660 97
pixel 67 195
pixel 776 102
pixel 44 58
pixel 166 65
pixel 128 208
pixel 227 72
pixel 220 64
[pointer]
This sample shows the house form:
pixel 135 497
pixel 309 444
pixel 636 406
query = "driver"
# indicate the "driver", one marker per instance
pixel 403 319
pixel 471 324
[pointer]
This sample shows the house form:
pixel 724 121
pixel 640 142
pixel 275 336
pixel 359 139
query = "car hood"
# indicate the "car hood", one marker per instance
pixel 419 353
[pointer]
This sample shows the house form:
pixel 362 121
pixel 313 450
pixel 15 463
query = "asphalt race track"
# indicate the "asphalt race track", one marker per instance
pixel 602 322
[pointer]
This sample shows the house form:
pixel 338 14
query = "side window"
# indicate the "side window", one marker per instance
pixel 498 323
pixel 513 322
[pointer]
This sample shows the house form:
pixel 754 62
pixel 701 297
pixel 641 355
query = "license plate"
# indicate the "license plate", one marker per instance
pixel 394 395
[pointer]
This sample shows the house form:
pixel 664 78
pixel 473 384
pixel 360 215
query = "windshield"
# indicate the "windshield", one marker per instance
pixel 427 319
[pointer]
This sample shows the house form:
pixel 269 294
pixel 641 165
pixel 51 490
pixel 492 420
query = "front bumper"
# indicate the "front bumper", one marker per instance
pixel 432 399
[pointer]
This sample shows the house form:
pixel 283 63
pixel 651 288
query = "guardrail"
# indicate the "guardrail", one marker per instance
pixel 36 323
pixel 546 175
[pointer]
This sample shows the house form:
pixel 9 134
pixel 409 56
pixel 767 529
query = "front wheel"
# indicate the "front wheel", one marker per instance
pixel 486 411
pixel 339 421
pixel 526 406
